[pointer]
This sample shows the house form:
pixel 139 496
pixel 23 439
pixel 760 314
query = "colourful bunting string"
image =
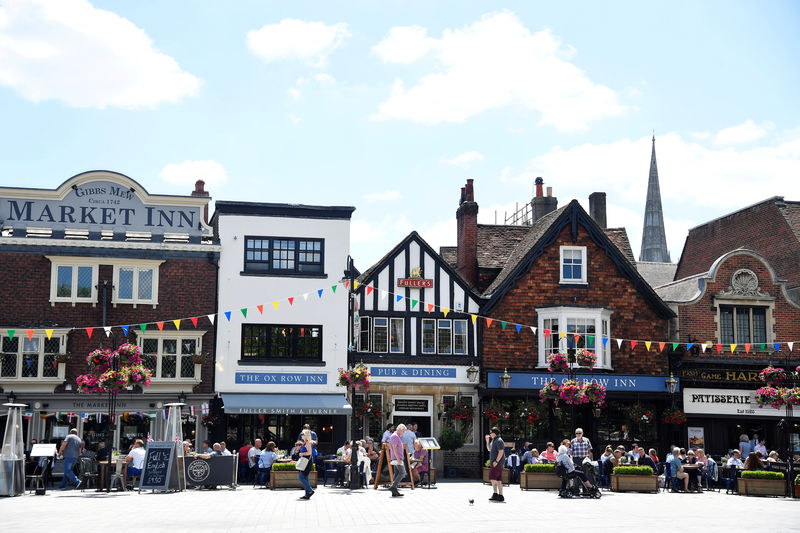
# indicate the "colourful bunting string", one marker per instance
pixel 319 293
pixel 275 304
pixel 244 312
pixel 430 307
pixel 49 333
pixel 474 318
pixel 333 288
pixel 29 332
pixel 633 345
pixel 647 345
pixel 260 308
pixel 89 332
pixel 747 348
pixel 369 289
pixel 733 347
pixel 519 327
pixel 177 323
pixel 503 324
pixel 488 322
pixel 414 303
pixel 605 341
pixel 291 301
pixel 11 333
pixel 228 315
pixel 160 326
pixel 399 297
pixel 661 346
pixel 211 318
pixel 107 329
pixel 445 310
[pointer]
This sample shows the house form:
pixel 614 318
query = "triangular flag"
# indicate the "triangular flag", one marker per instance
pixel 355 285
pixel 89 332
pixel 211 318
pixel 518 328
pixel 291 301
pixel 733 347
pixel 647 345
pixel 590 341
pixel 689 346
pixel 605 341
pixel 674 346
pixel 305 296
pixel 333 288
pixel 11 333
pixel 445 310
pixel 275 304
pixel 503 325
pixel 619 343
pixel 747 348
pixel 474 318
pixel 319 293
pixel 661 346
pixel 430 307
pixel 260 308
pixel 244 311
pixel 228 315
pixel 49 333
pixel 384 294
pixel 346 284
pixel 177 323
pixel 790 344
pixel 399 297
pixel 719 348
pixel 29 332
pixel 546 333
pixel 369 289
pixel 488 322
pixel 414 303
pixel 777 346
pixel 562 334
pixel 533 329
pixel 633 344
pixel 160 326
pixel 194 321
pixel 576 337
pixel 124 330
pixel 107 329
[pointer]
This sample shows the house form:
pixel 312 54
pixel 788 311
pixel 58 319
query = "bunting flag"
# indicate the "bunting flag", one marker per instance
pixel 89 332
pixel 474 318
pixel 533 329
pixel 719 348
pixel 291 301
pixel 488 322
pixel 260 308
pixel 125 329
pixel 777 346
pixel 49 333
pixel 194 321
pixel 29 332
pixel 519 327
pixel 369 289
pixel 763 347
pixel 590 341
pixel 107 329
pixel 228 315
pixel 674 346
pixel 355 285
pixel 562 334
pixel 414 303
pixel 576 337
pixel 211 318
pixel 347 284
pixel 647 345
pixel 177 323
pixel 275 304
pixel 244 311
pixel 319 293
pixel 191 410
pixel 661 346
pixel 430 307
pixel 399 297
pixel 143 327
pixel 746 348
pixel 619 343
pixel 733 347
pixel 333 288
pixel 445 310
pixel 546 333
pixel 204 408
pixel 384 294
pixel 790 344
pixel 305 296
pixel 503 324
pixel 28 415
pixel 11 333
pixel 160 326
pixel 605 341
pixel 152 415
pixel 688 346
pixel 633 344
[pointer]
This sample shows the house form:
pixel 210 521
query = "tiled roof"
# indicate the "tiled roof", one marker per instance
pixel 497 242
pixel 657 274
pixel 683 290
pixel 449 255
pixel 791 212
pixel 619 236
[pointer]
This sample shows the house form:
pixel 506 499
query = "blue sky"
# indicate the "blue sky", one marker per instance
pixel 391 106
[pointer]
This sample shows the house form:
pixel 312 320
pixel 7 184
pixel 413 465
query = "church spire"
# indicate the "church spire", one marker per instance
pixel 654 239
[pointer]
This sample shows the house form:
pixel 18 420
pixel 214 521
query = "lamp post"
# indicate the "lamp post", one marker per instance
pixel 472 373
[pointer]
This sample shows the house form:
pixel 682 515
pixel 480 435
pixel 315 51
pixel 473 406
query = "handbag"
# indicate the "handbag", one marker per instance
pixel 302 463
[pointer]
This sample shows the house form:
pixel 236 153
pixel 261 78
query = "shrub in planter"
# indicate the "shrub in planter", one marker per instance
pixel 290 466
pixel 633 471
pixel 633 479
pixel 797 480
pixel 539 476
pixel 543 468
pixel 761 474
pixel 762 483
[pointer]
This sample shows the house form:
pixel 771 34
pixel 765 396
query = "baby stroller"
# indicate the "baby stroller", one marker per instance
pixel 573 484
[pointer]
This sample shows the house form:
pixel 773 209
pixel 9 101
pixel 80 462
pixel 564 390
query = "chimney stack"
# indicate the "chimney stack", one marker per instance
pixel 539 181
pixel 541 205
pixel 467 235
pixel 200 190
pixel 597 208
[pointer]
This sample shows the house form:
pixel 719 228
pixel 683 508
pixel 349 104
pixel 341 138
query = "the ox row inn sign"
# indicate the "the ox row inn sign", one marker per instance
pixel 102 201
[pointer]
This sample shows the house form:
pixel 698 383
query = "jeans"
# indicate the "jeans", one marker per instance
pixel 69 464
pixel 263 476
pixel 399 474
pixel 303 477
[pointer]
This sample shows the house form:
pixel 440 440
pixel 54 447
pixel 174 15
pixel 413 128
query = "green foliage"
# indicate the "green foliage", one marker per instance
pixel 489 464
pixel 287 467
pixel 541 468
pixel 451 439
pixel 797 480
pixel 633 470
pixel 761 474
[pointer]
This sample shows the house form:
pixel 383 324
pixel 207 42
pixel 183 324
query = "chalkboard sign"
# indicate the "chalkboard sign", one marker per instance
pixel 159 466
pixel 411 406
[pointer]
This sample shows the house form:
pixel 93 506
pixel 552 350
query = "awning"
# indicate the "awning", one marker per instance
pixel 286 404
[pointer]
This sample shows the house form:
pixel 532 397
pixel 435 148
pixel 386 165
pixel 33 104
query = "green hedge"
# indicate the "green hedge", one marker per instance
pixel 633 470
pixel 284 467
pixel 542 468
pixel 797 480
pixel 761 474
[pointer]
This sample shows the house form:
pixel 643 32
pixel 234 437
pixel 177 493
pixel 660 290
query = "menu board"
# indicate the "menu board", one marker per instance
pixel 158 466
pixel 410 405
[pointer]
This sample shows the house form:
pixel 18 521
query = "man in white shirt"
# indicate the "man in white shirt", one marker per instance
pixel 136 458
pixel 252 459
pixel 224 448
pixel 736 460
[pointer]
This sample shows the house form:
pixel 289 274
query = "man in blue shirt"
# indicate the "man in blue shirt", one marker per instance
pixel 676 469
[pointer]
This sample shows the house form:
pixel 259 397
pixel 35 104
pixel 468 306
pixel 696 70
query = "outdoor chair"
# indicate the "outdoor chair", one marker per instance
pixel 87 472
pixel 331 469
pixel 117 476
pixel 731 483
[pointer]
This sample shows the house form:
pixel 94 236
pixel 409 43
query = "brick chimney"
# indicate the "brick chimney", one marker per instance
pixel 543 204
pixel 467 234
pixel 200 190
pixel 597 208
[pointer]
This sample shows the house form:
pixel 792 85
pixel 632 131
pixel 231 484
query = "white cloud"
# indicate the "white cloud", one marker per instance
pixel 295 120
pixel 294 93
pixel 494 63
pixel 188 172
pixel 382 196
pixel 746 132
pixel 699 135
pixel 311 42
pixel 70 51
pixel 464 160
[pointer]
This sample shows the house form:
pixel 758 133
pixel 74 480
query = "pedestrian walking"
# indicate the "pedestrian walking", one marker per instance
pixel 70 450
pixel 397 458
pixel 308 453
pixel 497 449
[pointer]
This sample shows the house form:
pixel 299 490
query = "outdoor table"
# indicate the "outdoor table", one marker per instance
pixel 103 483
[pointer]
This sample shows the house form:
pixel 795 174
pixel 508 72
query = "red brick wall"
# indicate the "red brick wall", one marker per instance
pixel 632 317
pixel 698 319
pixel 186 287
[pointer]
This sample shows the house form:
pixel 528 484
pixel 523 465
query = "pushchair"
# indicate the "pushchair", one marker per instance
pixel 573 486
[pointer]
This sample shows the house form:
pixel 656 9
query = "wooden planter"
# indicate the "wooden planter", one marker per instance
pixel 761 487
pixel 797 491
pixel 628 483
pixel 486 475
pixel 287 479
pixel 539 480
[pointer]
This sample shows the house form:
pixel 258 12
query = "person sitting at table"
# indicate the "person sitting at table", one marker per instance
pixel 736 460
pixel 136 458
pixel 265 462
pixel 753 462
pixel 761 446
pixel 419 462
pixel 342 452
pixel 607 454
pixel 224 448
pixel 534 458
pixel 206 447
pixel 694 473
pixel 635 454
pixel 252 459
pixel 772 457
pixel 616 458
pixel 650 460
pixel 217 450
pixel 364 462
pixel 103 451
pixel 388 433
pixel 676 469
pixel 187 448
pixel 549 455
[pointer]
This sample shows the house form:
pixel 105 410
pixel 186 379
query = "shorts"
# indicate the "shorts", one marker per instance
pixel 496 472
pixel 681 475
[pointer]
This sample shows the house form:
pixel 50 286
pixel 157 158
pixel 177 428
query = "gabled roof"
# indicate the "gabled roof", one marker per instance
pixel 449 255
pixel 497 242
pixel 619 236
pixel 544 233
pixel 657 274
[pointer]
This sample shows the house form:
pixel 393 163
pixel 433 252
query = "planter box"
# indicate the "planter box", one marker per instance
pixel 797 491
pixel 287 479
pixel 762 487
pixel 628 483
pixel 539 480
pixel 486 475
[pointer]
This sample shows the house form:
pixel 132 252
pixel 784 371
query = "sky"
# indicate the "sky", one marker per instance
pixel 391 106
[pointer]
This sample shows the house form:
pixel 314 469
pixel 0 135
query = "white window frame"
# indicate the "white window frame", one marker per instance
pixel 402 335
pixel 136 266
pixel 363 326
pixel 73 262
pixel 465 335
pixel 438 328
pixel 374 336
pixel 582 279
pixel 17 380
pixel 563 314
pixel 422 336
pixel 160 336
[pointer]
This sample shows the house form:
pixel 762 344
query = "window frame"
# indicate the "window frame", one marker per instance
pixel 465 335
pixel 362 330
pixel 74 263
pixel 735 308
pixel 270 271
pixel 375 327
pixel 439 329
pixel 572 281
pixel 402 335
pixel 137 266
pixel 294 344
pixel 602 321
pixel 422 336
pixel 161 336
pixel 58 334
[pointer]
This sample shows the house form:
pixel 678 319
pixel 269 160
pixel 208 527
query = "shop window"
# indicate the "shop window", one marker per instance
pixel 742 325
pixel 136 283
pixel 28 359
pixel 267 342
pixel 444 337
pixel 396 338
pixel 283 256
pixel 573 264
pixel 363 334
pixel 380 334
pixel 170 357
pixel 574 321
pixel 371 425
pixel 73 281
pixel 463 425
pixel 428 335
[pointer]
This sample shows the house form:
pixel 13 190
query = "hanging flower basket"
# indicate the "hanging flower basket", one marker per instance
pixel 572 392
pixel 139 375
pixel 112 380
pixel 640 413
pixel 549 392
pixel 495 413
pixel 210 420
pixel 356 378
pixel 102 378
pixel 130 354
pixel 675 417
pixel 770 396
pixel 100 360
pixel 586 358
pixel 557 362
pixel 531 414
pixel 63 357
pixel 461 412
pixel 87 383
pixel 595 393
pixel 772 376
pixel 792 396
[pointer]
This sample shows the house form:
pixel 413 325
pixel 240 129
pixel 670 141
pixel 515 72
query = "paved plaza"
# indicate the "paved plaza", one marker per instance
pixel 442 510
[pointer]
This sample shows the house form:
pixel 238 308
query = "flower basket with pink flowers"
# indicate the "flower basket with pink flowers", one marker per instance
pixel 770 396
pixel 595 393
pixel 772 376
pixel 572 392
pixel 792 396
pixel 557 362
pixel 549 391
pixel 585 358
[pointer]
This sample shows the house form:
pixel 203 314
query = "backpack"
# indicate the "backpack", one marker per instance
pixel 561 470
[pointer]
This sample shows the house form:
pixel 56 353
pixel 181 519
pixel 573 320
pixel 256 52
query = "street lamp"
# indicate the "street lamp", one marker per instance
pixel 182 397
pixel 441 407
pixel 472 373
pixel 672 386
pixel 505 379
pixel 12 398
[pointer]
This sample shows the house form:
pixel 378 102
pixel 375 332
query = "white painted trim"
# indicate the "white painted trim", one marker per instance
pixel 564 313
pixel 584 266
pixel 74 262
pixel 114 245
pixel 136 264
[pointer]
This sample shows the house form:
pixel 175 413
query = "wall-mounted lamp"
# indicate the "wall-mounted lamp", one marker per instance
pixel 505 379
pixel 472 373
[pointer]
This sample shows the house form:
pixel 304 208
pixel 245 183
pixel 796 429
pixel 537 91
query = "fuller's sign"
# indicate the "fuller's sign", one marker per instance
pixel 415 283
